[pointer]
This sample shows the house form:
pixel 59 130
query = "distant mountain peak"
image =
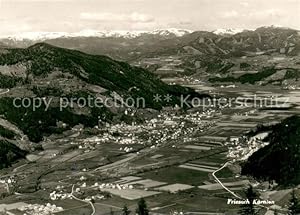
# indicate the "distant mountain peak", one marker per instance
pixel 228 31
pixel 42 36
pixel 175 31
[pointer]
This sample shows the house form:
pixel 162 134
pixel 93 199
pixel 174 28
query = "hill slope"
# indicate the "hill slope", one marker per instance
pixel 280 160
pixel 50 72
pixel 42 59
pixel 9 153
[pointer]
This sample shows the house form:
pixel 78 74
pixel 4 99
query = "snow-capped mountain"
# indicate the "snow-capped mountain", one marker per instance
pixel 42 36
pixel 229 31
pixel 175 31
pixel 37 36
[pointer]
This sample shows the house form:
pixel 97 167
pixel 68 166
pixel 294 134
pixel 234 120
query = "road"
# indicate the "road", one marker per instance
pixel 227 189
pixel 116 164
pixel 216 178
pixel 19 167
pixel 163 207
pixel 7 90
pixel 131 156
pixel 89 202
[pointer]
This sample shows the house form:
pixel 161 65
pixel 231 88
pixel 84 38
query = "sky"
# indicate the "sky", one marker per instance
pixel 17 16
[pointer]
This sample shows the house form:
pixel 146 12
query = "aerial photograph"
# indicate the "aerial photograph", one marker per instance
pixel 149 107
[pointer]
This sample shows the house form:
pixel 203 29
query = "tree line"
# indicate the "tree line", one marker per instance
pixel 246 209
pixel 142 209
pixel 252 209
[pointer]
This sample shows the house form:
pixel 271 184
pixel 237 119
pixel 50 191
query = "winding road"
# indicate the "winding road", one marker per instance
pixel 227 189
pixel 89 202
pixel 216 178
pixel 7 90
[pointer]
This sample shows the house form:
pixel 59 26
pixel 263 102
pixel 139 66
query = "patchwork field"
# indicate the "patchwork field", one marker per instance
pixel 132 194
pixel 177 175
pixel 174 188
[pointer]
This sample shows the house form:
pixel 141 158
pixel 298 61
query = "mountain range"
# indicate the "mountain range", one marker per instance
pixel 29 38
pixel 134 45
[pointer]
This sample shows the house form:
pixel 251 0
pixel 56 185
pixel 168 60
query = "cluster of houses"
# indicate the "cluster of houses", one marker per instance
pixel 97 197
pixel 59 196
pixel 126 149
pixel 125 137
pixel 239 149
pixel 101 187
pixel 291 87
pixel 89 198
pixel 177 213
pixel 171 126
pixel 113 186
pixel 36 209
pixel 7 183
pixel 130 139
pixel 166 126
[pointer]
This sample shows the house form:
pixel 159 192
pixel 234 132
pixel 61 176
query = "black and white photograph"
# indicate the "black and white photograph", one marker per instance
pixel 149 107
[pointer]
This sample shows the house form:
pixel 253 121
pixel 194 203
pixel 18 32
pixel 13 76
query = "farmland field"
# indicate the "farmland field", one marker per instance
pixel 177 175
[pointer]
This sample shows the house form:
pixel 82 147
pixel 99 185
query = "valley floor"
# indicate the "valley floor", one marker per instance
pixel 186 163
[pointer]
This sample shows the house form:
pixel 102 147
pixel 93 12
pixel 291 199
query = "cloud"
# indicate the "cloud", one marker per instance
pixel 257 15
pixel 244 4
pixel 39 1
pixel 185 23
pixel 269 13
pixel 137 17
pixel 230 14
pixel 8 28
pixel 133 17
